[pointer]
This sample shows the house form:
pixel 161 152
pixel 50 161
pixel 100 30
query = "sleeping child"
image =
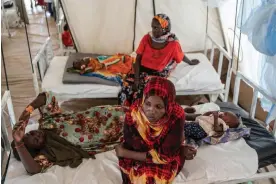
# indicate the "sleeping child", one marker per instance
pixel 116 64
pixel 214 125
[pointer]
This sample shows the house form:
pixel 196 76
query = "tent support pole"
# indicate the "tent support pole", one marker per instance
pixel 5 69
pixel 153 6
pixel 134 26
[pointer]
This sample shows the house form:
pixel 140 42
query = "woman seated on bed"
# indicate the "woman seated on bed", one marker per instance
pixel 153 151
pixel 65 138
pixel 157 55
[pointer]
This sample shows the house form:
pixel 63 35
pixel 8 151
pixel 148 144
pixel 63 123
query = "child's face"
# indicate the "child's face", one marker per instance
pixel 79 63
pixel 230 119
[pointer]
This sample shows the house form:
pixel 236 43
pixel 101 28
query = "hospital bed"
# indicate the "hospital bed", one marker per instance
pixel 201 79
pixel 233 162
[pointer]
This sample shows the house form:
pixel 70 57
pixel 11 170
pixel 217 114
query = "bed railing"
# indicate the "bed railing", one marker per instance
pixel 223 53
pixel 6 102
pixel 256 91
pixel 41 62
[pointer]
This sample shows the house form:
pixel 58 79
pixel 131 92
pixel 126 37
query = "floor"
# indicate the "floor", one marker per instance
pixel 17 60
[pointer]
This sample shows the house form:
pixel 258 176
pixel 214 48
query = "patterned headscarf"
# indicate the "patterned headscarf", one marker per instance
pixel 165 23
pixel 154 133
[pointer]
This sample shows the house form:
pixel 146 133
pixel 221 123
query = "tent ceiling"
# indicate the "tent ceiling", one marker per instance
pixel 107 27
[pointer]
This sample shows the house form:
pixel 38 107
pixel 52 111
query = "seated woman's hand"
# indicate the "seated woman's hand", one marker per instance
pixel 119 149
pixel 189 152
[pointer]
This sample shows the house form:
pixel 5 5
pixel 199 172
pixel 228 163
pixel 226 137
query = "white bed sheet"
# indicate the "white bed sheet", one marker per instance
pixel 233 160
pixel 198 79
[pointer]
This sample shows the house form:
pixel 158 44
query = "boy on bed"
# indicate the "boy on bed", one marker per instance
pixel 210 124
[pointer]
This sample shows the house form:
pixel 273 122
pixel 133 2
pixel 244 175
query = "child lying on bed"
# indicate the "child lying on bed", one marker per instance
pixel 213 127
pixel 116 64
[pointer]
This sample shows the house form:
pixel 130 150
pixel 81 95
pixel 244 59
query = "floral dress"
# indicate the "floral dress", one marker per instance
pixel 96 130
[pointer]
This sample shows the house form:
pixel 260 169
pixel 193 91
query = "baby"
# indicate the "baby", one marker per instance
pixel 211 123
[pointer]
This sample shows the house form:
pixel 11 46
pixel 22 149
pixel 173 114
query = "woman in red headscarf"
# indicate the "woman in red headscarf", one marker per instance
pixel 153 151
pixel 157 55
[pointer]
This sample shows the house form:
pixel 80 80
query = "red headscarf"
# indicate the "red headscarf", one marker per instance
pixel 154 133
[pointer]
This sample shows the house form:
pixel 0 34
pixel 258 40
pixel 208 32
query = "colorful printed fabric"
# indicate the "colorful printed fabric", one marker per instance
pixel 162 141
pixel 113 68
pixel 194 131
pixel 43 162
pixel 127 96
pixel 95 130
pixel 231 134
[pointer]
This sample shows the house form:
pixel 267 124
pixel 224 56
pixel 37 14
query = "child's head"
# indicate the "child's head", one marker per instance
pixel 230 119
pixel 66 27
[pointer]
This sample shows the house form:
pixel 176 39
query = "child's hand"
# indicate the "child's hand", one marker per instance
pixel 215 114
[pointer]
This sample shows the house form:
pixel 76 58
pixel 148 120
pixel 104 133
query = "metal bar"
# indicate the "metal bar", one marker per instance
pixel 235 26
pixel 212 54
pixel 225 53
pixel 228 81
pixel 254 104
pixel 240 37
pixel 274 128
pixel 153 7
pixel 220 63
pixel 4 65
pixel 134 26
pixel 11 110
pixel 224 31
pixel 40 52
pixel 205 46
pixel 47 21
pixel 28 42
pixel 236 89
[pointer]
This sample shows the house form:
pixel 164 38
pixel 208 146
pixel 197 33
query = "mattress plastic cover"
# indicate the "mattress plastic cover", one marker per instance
pixel 198 79
pixel 260 139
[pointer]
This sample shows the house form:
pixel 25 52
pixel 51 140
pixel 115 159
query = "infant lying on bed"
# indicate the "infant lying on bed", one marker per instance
pixel 213 127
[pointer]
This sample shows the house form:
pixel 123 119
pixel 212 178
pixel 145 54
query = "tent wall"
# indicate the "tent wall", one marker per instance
pixel 107 27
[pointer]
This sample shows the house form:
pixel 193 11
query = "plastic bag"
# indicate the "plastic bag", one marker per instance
pixel 260 28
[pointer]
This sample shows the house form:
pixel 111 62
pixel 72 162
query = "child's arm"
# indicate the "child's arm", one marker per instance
pixel 217 126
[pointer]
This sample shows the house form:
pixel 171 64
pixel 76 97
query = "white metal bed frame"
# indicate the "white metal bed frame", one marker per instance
pixel 47 48
pixel 257 90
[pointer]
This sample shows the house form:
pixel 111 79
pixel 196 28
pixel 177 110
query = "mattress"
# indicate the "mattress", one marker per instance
pixel 205 168
pixel 260 139
pixel 75 78
pixel 198 79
